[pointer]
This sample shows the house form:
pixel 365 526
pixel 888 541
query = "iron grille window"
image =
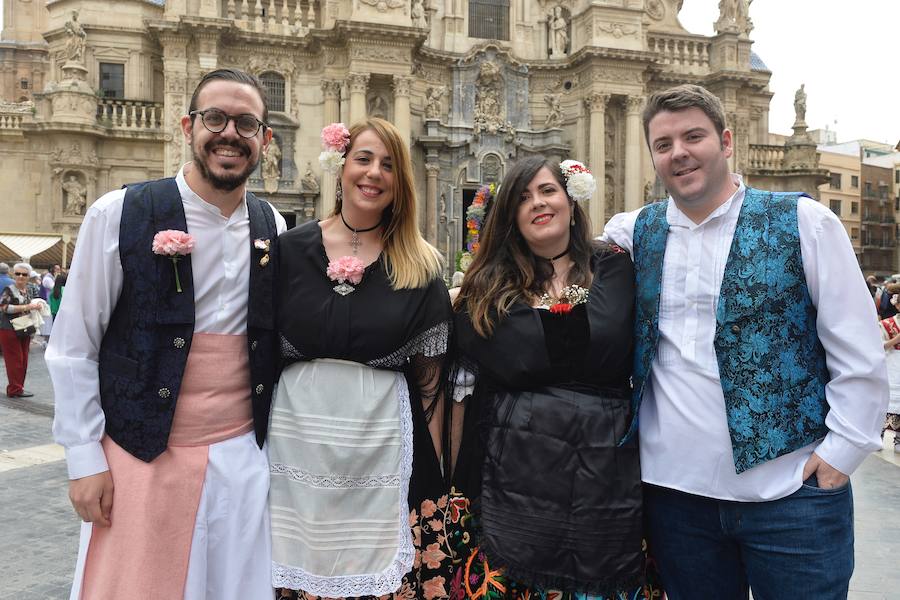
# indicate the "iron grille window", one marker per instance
pixel 489 19
pixel 274 86
pixel 112 80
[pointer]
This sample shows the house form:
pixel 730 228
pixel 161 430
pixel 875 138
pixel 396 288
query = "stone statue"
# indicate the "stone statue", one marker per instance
pixel 742 16
pixel 555 113
pixel 75 197
pixel 309 183
pixel 76 40
pixel 378 107
pixel 727 16
pixel 488 100
pixel 272 161
pixel 433 102
pixel 559 33
pixel 800 104
pixel 417 14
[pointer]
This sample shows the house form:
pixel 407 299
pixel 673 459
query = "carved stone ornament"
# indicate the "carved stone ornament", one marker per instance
pixel 617 30
pixel 76 40
pixel 656 9
pixel 558 32
pixel 554 113
pixel 309 182
pixel 433 101
pixel 377 106
pixel 279 64
pixel 386 5
pixel 489 101
pixel 74 196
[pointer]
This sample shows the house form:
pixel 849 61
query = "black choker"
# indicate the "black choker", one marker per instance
pixel 560 255
pixel 354 240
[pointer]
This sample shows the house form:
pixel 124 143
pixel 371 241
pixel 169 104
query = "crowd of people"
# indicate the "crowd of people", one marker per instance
pixel 26 294
pixel 673 408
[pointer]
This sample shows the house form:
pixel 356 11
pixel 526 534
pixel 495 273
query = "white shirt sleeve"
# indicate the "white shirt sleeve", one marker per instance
pixel 847 326
pixel 92 290
pixel 619 230
pixel 280 223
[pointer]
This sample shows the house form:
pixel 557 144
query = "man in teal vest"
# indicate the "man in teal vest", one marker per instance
pixel 759 377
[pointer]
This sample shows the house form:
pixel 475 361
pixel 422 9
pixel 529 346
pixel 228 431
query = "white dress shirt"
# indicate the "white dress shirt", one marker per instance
pixel 220 263
pixel 684 438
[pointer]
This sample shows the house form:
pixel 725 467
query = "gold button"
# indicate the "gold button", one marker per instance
pixel 164 392
pixel 264 260
pixel 259 389
pixel 178 342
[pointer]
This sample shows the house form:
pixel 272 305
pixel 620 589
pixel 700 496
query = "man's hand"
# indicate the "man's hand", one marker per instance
pixel 92 498
pixel 827 476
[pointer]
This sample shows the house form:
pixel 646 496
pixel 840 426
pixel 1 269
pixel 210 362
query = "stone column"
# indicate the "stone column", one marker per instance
pixel 633 188
pixel 175 67
pixel 431 187
pixel 358 83
pixel 331 90
pixel 401 106
pixel 596 104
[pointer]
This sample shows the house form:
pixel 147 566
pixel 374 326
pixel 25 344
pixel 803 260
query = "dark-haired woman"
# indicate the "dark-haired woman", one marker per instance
pixel 547 496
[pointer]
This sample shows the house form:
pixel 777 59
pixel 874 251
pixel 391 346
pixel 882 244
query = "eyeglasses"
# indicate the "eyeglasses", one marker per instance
pixel 21 274
pixel 216 121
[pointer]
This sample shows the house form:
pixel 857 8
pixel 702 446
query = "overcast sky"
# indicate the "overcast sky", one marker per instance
pixel 845 51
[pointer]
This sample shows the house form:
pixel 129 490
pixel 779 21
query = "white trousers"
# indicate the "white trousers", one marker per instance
pixel 231 549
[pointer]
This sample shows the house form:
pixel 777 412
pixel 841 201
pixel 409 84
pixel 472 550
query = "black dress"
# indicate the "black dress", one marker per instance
pixel 549 502
pixel 372 332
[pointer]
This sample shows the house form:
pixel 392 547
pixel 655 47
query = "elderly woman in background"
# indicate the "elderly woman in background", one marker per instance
pixel 357 496
pixel 16 300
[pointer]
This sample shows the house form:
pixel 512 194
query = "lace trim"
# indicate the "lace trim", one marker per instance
pixel 288 350
pixel 431 342
pixel 389 580
pixel 335 481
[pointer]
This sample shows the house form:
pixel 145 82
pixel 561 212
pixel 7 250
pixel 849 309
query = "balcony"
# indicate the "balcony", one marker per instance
pixel 129 114
pixel 766 157
pixel 281 17
pixel 13 115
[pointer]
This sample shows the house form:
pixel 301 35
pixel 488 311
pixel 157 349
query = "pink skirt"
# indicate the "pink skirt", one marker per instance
pixel 144 554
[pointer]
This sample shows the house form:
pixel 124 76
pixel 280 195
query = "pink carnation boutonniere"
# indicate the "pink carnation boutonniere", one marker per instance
pixel 345 270
pixel 173 244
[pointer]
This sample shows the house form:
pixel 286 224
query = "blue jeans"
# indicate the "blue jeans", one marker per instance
pixel 799 547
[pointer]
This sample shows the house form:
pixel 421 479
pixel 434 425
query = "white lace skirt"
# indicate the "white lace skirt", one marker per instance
pixel 340 446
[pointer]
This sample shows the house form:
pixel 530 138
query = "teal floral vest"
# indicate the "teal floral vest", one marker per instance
pixel 771 362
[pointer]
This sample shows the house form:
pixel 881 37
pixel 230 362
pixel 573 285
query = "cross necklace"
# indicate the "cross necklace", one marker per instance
pixel 355 242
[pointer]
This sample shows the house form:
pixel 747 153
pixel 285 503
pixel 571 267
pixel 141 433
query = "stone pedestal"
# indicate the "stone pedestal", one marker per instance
pixel 72 99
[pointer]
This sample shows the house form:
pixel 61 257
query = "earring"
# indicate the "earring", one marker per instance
pixel 572 220
pixel 338 193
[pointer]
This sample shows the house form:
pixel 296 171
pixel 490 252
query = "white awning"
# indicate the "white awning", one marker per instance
pixel 24 246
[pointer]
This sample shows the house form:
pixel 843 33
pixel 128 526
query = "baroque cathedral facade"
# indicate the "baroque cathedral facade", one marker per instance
pixel 93 91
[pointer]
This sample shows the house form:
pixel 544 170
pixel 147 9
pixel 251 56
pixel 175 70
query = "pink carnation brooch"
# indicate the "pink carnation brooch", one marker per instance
pixel 335 139
pixel 580 183
pixel 173 244
pixel 345 270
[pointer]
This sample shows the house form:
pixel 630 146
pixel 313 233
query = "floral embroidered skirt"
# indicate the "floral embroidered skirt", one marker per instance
pixel 476 578
pixel 432 568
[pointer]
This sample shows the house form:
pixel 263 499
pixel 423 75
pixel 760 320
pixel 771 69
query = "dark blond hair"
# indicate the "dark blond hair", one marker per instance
pixel 683 97
pixel 410 261
pixel 505 269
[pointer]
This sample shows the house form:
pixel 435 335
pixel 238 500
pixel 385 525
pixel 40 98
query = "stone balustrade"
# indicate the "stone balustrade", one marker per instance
pixel 14 114
pixel 279 17
pixel 689 54
pixel 129 114
pixel 766 157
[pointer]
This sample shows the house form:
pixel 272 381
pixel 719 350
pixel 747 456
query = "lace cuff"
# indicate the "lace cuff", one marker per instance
pixel 430 343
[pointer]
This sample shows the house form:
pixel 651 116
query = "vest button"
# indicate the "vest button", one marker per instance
pixel 253 344
pixel 735 329
pixel 164 392
pixel 178 342
pixel 259 389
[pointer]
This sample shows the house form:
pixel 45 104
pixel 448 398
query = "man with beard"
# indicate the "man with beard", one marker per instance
pixel 163 362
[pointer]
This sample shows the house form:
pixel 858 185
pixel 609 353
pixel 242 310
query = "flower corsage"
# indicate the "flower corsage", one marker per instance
pixel 570 297
pixel 580 183
pixel 335 139
pixel 175 245
pixel 345 270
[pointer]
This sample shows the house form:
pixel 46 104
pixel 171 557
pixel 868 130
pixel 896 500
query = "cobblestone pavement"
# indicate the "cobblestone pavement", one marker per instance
pixel 39 538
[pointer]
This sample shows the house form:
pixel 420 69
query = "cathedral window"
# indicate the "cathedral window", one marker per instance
pixel 489 19
pixel 274 86
pixel 112 80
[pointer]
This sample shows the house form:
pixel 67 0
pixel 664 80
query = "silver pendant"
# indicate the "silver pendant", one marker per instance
pixel 344 288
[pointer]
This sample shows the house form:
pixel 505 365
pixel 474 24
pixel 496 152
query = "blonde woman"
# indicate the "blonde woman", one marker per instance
pixel 357 489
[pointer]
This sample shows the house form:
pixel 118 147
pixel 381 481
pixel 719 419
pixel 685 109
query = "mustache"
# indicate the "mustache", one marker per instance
pixel 236 144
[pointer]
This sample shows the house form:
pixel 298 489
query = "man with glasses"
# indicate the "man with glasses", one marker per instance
pixel 163 361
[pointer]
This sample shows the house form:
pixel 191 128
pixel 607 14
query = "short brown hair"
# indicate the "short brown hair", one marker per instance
pixel 683 97
pixel 236 76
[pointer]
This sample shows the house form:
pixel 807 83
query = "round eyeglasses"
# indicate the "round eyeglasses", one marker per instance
pixel 216 121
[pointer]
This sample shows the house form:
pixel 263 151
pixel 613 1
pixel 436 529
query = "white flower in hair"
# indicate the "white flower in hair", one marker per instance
pixel 335 139
pixel 580 182
pixel 331 161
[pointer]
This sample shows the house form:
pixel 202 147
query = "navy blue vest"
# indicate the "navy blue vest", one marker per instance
pixel 145 347
pixel 771 362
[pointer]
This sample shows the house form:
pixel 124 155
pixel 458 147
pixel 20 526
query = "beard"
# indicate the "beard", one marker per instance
pixel 230 181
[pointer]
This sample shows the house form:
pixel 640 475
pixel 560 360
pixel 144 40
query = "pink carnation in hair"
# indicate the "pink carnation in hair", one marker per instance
pixel 336 137
pixel 172 242
pixel 346 268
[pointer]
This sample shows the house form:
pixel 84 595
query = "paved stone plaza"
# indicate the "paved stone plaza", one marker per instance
pixel 40 532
